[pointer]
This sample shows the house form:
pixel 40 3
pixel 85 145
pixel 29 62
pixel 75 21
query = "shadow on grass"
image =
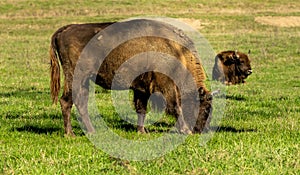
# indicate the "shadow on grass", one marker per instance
pixel 46 130
pixel 22 92
pixel 230 129
pixel 37 129
pixel 126 127
pixel 162 126
pixel 19 114
pixel 236 97
pixel 159 126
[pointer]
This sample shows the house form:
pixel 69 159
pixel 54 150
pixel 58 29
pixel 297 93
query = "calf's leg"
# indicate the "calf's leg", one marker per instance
pixel 140 102
pixel 181 124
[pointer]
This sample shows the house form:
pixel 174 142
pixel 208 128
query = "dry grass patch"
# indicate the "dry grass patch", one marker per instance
pixel 195 23
pixel 279 21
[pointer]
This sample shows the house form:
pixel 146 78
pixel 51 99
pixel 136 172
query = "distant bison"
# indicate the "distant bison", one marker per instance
pixel 69 41
pixel 232 67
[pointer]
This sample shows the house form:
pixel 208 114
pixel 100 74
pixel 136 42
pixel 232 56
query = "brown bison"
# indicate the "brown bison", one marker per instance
pixel 232 67
pixel 68 43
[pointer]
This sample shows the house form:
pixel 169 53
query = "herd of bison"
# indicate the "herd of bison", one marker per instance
pixel 68 42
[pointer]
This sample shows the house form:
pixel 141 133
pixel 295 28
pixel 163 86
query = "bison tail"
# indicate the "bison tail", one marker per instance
pixel 54 71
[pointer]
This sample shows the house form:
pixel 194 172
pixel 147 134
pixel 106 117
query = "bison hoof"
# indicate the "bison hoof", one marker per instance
pixel 183 131
pixel 91 131
pixel 70 134
pixel 228 83
pixel 186 131
pixel 141 129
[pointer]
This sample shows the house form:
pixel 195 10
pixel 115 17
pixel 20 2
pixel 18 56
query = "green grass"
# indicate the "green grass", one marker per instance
pixel 259 133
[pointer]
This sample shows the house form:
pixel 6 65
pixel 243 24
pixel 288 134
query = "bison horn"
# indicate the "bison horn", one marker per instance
pixel 236 55
pixel 215 92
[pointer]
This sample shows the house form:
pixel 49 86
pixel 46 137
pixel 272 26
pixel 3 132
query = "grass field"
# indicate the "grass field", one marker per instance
pixel 259 134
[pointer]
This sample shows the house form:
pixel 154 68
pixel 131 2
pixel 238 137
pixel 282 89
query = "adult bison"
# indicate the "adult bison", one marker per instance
pixel 68 43
pixel 232 67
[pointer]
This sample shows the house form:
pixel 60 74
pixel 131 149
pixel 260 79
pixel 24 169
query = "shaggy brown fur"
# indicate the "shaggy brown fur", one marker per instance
pixel 232 67
pixel 67 44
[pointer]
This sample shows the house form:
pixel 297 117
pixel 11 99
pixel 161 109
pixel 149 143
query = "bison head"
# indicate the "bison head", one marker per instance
pixel 232 67
pixel 242 64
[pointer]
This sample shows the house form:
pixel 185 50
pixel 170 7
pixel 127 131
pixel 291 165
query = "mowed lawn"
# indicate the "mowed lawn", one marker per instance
pixel 260 130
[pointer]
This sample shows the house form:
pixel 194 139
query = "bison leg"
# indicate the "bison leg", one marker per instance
pixel 140 102
pixel 141 120
pixel 81 103
pixel 181 124
pixel 66 106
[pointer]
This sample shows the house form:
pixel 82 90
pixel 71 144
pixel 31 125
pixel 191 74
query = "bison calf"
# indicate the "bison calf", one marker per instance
pixel 232 67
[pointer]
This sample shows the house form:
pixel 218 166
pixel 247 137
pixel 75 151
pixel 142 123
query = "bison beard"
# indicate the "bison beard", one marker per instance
pixel 69 41
pixel 232 67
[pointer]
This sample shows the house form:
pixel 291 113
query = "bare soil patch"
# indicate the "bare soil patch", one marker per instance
pixel 279 21
pixel 195 23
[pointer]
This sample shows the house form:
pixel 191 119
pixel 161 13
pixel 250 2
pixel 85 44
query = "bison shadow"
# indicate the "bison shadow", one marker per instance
pixel 158 127
pixel 37 129
pixel 23 92
pixel 47 130
pixel 161 126
pixel 230 129
pixel 236 97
